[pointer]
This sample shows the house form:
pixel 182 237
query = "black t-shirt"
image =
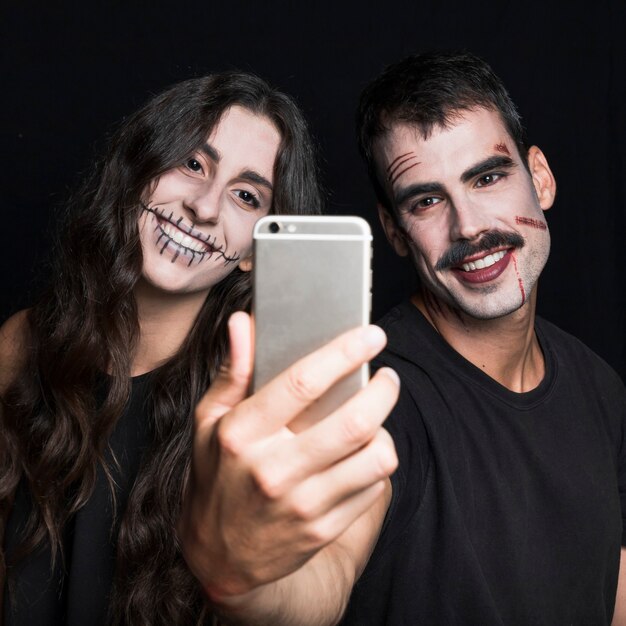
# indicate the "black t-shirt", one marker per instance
pixel 506 506
pixel 78 594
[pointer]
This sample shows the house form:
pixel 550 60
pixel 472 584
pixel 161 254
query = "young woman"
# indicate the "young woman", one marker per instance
pixel 99 379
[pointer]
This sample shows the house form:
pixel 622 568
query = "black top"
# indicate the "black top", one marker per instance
pixel 506 506
pixel 79 595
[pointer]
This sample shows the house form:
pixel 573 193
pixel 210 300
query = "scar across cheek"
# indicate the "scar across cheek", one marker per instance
pixel 529 221
pixel 501 147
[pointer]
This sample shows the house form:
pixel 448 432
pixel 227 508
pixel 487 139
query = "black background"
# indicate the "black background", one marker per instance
pixel 70 71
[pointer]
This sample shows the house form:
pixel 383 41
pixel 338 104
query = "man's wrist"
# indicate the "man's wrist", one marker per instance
pixel 223 596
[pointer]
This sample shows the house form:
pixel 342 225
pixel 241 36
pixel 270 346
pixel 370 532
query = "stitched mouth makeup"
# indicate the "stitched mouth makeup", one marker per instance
pixel 184 242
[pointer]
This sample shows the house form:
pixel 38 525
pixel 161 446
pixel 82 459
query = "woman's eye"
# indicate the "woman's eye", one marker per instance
pixel 248 197
pixel 194 165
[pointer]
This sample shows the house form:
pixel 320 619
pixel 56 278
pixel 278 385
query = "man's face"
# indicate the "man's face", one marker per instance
pixel 196 226
pixel 467 211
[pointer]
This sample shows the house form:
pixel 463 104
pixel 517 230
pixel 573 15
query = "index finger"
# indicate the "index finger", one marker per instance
pixel 301 384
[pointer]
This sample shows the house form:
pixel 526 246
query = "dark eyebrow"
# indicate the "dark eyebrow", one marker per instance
pixel 491 163
pixel 255 177
pixel 211 152
pixel 251 175
pixel 404 193
pixel 494 162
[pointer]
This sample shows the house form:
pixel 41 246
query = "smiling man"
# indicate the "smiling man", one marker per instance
pixel 505 508
pixel 510 434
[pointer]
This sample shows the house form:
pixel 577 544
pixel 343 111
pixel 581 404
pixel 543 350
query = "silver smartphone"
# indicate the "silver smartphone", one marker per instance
pixel 311 282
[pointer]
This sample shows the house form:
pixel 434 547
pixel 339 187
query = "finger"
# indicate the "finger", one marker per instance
pixel 327 490
pixel 241 337
pixel 232 383
pixel 335 522
pixel 284 397
pixel 342 433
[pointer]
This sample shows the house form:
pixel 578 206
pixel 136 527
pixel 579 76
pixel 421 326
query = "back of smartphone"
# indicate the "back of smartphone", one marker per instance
pixel 311 282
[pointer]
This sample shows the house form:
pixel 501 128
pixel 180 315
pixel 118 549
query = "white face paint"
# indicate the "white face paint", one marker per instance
pixel 465 194
pixel 198 221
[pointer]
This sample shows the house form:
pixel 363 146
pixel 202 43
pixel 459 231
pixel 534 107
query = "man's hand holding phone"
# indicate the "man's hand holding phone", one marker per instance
pixel 262 501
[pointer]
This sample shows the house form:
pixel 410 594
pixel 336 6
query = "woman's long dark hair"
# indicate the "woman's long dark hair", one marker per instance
pixel 54 432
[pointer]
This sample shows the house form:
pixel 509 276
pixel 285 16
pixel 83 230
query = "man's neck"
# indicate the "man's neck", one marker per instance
pixel 506 348
pixel 164 322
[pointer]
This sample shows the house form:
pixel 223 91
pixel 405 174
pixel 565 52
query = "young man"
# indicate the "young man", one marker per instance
pixel 505 508
pixel 510 433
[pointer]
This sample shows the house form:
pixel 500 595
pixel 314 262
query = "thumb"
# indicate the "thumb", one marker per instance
pixel 233 381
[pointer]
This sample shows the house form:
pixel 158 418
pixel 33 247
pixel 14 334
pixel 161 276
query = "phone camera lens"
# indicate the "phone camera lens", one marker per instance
pixel 274 227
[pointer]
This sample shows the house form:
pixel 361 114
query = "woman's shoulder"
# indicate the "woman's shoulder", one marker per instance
pixel 13 342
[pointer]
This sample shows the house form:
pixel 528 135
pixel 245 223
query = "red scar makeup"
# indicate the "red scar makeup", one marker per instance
pixel 395 161
pixel 529 221
pixel 501 147
pixel 519 279
pixel 395 169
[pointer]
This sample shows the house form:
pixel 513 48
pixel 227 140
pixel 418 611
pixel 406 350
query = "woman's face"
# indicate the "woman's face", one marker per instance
pixel 196 226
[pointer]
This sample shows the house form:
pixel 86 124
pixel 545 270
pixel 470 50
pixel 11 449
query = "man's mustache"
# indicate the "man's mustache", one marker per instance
pixel 460 250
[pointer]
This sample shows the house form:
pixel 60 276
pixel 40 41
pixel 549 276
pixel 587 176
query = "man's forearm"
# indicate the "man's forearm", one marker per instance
pixel 276 524
pixel 315 595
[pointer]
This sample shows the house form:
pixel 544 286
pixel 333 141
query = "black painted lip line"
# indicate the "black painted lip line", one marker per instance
pixel 178 248
pixel 208 250
pixel 189 230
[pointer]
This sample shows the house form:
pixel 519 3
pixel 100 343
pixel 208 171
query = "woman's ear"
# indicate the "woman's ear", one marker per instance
pixel 394 232
pixel 542 177
pixel 245 265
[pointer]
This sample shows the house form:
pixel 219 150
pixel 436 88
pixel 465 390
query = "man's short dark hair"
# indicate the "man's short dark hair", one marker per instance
pixel 428 91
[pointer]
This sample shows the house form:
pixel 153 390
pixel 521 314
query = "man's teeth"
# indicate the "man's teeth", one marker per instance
pixel 487 261
pixel 182 239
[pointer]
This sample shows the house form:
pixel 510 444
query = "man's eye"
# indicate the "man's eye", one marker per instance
pixel 488 179
pixel 248 197
pixel 194 165
pixel 425 203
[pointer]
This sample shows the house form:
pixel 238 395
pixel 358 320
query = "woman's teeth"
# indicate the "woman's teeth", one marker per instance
pixel 486 261
pixel 182 239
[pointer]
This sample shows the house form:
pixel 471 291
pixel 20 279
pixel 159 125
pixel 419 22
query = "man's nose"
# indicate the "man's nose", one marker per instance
pixel 468 220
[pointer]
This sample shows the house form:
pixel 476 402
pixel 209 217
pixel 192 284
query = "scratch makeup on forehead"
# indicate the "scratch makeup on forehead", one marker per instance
pixel 501 147
pixel 396 169
pixel 529 221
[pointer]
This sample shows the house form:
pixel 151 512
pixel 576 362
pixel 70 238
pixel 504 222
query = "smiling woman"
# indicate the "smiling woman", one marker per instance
pixel 198 219
pixel 100 378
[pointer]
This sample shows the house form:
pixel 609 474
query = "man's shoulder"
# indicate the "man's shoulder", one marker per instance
pixel 404 325
pixel 392 317
pixel 565 342
pixel 573 354
pixel 414 350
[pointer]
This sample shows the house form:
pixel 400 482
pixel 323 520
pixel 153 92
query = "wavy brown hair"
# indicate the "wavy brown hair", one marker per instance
pixel 55 432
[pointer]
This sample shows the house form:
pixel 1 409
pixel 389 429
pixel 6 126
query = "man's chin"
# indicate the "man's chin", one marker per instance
pixel 490 311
